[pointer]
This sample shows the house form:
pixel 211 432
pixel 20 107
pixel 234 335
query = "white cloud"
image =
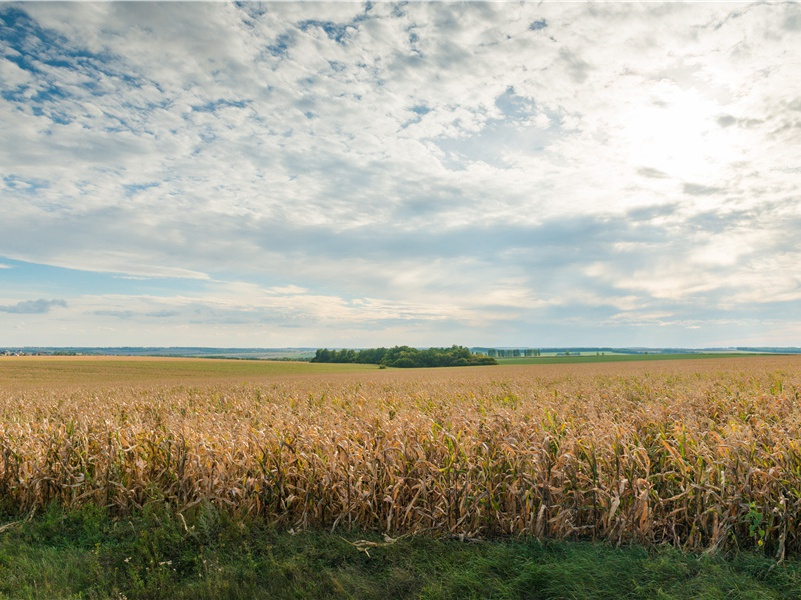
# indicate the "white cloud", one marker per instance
pixel 484 160
pixel 32 307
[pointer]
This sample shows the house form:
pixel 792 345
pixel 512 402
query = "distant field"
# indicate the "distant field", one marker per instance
pixel 48 371
pixel 613 357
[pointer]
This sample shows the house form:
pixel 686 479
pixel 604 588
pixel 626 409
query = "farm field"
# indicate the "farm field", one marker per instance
pixel 700 454
pixel 103 371
pixel 586 357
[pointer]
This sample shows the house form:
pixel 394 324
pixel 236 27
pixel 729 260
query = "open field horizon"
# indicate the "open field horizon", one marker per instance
pixel 44 371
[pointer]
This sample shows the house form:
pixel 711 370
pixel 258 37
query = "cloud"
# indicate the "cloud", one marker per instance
pixel 32 307
pixel 344 163
pixel 695 189
pixel 120 314
pixel 651 173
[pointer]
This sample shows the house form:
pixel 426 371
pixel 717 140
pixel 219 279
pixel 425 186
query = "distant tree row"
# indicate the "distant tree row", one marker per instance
pixel 506 353
pixel 405 357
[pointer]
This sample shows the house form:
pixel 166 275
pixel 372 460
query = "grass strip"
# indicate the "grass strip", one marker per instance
pixel 156 554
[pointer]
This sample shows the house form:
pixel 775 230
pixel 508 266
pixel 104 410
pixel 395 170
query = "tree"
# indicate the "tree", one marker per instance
pixel 405 357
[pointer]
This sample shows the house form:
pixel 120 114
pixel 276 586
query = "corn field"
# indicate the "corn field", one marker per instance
pixel 699 454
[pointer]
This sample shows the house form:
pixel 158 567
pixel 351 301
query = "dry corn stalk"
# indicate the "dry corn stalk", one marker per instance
pixel 698 454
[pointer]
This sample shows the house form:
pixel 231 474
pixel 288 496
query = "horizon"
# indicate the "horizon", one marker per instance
pixel 792 349
pixel 285 174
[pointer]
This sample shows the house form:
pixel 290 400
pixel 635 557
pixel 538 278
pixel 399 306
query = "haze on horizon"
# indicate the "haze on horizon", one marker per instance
pixel 302 174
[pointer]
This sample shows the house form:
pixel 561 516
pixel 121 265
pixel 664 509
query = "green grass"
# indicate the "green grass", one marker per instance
pixel 86 554
pixel 603 358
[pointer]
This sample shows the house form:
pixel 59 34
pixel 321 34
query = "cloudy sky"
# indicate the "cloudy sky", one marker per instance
pixel 344 174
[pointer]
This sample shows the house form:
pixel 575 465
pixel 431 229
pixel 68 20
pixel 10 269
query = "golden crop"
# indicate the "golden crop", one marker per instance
pixel 701 454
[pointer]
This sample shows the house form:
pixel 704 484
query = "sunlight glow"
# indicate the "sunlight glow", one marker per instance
pixel 676 132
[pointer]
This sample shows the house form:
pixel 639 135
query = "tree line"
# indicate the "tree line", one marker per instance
pixel 405 357
pixel 512 353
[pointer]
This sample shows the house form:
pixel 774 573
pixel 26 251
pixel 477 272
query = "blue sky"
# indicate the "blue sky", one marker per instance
pixel 345 174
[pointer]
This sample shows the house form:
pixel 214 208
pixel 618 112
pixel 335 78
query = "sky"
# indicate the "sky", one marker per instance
pixel 338 174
